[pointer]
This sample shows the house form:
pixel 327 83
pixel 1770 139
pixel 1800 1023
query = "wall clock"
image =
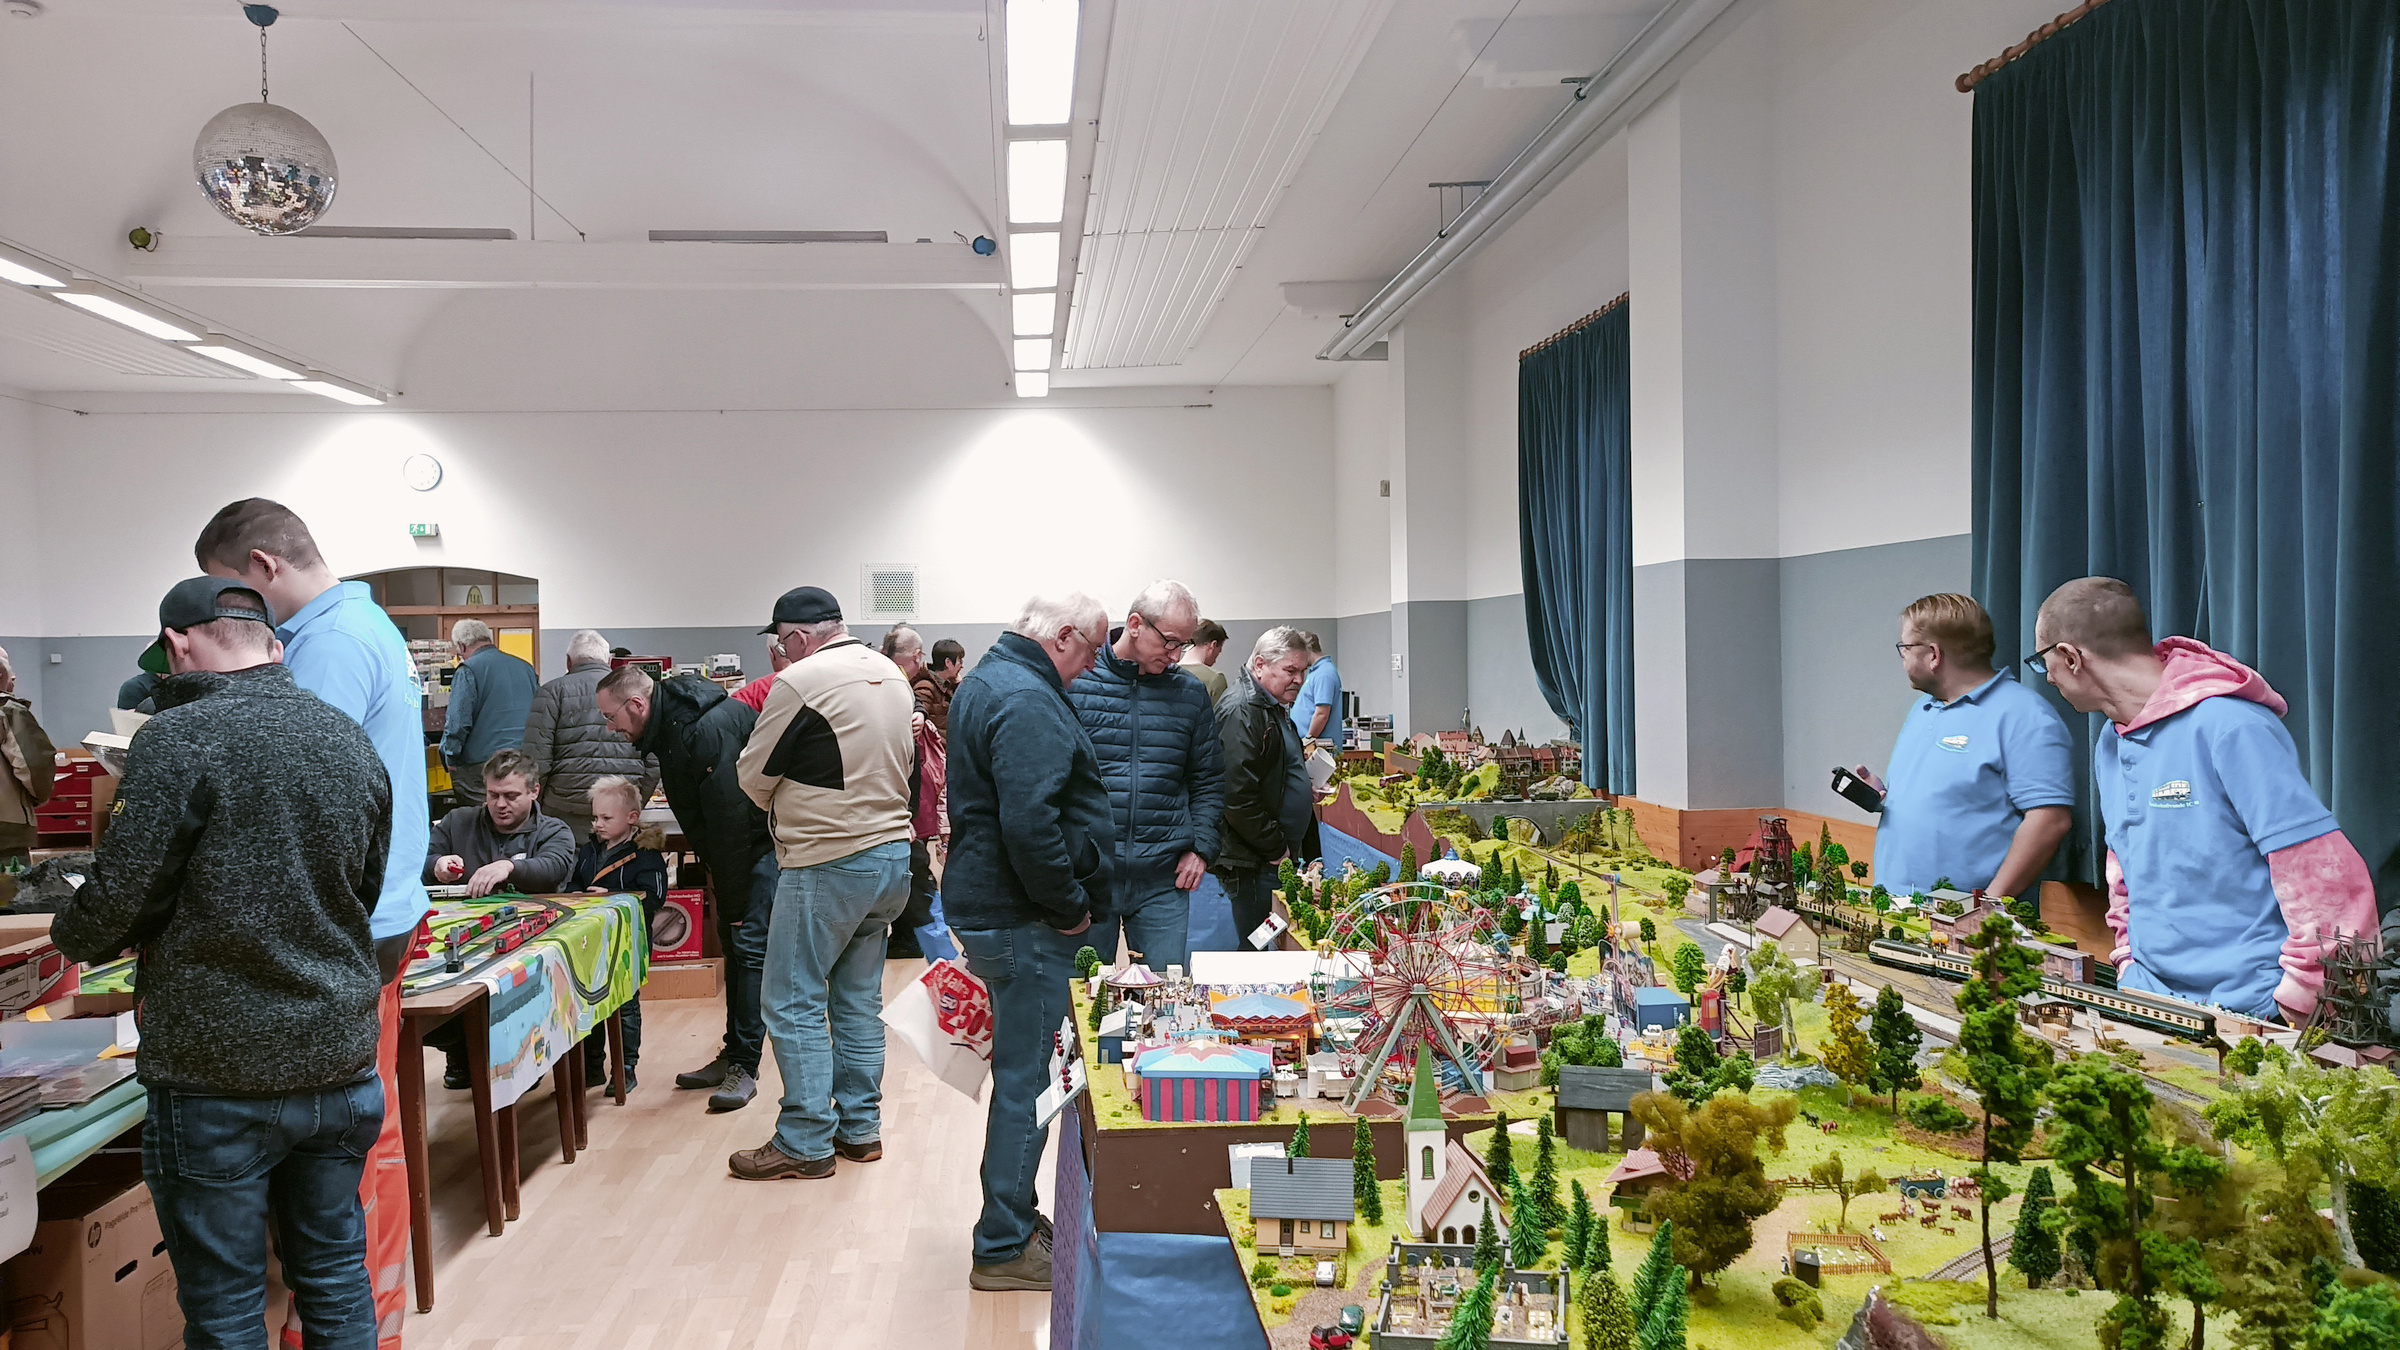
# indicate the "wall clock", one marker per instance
pixel 422 472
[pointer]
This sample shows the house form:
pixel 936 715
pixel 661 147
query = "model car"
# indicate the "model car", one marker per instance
pixel 1329 1338
pixel 1325 1274
pixel 1354 1319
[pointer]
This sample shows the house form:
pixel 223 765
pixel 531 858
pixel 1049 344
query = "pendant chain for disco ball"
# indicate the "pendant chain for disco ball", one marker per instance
pixel 262 67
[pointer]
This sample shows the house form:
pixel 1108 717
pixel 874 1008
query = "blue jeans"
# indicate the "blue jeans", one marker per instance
pixel 225 1171
pixel 1157 925
pixel 1026 968
pixel 824 995
pixel 745 947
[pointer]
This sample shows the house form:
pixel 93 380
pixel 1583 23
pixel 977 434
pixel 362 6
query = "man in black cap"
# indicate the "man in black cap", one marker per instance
pixel 249 807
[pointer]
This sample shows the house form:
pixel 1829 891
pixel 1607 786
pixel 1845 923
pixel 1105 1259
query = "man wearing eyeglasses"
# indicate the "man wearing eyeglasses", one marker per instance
pixel 1155 732
pixel 1982 784
pixel 2227 877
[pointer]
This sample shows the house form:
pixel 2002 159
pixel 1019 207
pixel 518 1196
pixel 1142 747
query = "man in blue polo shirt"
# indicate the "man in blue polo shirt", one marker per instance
pixel 2227 877
pixel 340 646
pixel 1317 711
pixel 1982 786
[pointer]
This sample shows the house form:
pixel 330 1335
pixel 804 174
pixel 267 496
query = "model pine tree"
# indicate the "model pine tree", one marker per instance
pixel 1408 862
pixel 1690 968
pixel 2034 1251
pixel 1722 1143
pixel 1657 1271
pixel 1487 1240
pixel 1544 1186
pixel 1664 1328
pixel 1896 1040
pixel 1607 1313
pixel 1364 1189
pixel 1525 1242
pixel 1497 1162
pixel 1847 1052
pixel 1471 1318
pixel 2006 1068
pixel 1537 944
pixel 1299 1145
pixel 1578 1228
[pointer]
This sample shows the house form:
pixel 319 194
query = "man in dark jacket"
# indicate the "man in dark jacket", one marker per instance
pixel 504 844
pixel 1260 778
pixel 696 733
pixel 1156 737
pixel 1030 840
pixel 570 744
pixel 246 855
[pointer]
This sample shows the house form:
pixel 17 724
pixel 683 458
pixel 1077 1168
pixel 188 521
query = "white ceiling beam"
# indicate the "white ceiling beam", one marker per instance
pixel 454 264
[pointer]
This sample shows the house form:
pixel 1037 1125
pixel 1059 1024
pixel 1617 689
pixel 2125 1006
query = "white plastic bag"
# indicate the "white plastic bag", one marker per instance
pixel 945 1015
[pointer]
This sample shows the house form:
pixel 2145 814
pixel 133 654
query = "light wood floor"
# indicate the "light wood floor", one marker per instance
pixel 645 1242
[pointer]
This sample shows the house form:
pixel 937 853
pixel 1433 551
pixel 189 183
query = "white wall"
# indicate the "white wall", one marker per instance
pixel 701 519
pixel 20 543
pixel 1362 515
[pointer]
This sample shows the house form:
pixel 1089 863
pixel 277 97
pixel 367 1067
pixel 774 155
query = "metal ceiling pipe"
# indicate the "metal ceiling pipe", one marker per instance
pixel 1596 103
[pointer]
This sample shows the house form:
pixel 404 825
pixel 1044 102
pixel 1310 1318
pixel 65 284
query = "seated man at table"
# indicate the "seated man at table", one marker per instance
pixel 504 844
pixel 613 861
pixel 246 854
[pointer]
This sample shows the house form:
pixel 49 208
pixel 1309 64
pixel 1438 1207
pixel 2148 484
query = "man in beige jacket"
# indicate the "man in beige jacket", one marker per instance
pixel 27 770
pixel 830 762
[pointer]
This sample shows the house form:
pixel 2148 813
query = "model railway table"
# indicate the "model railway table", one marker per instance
pixel 523 1003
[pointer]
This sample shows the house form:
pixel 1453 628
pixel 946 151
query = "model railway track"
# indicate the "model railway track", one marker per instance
pixel 2171 1016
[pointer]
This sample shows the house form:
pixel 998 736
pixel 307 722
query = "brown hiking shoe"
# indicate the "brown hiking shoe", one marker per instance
pixel 868 1151
pixel 1030 1270
pixel 769 1163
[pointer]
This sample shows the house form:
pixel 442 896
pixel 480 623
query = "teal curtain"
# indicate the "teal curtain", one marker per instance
pixel 1575 532
pixel 2187 356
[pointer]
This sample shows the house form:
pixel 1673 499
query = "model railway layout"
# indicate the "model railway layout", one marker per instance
pixel 2172 1016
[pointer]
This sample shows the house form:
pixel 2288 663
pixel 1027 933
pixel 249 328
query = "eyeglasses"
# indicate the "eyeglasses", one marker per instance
pixel 2039 662
pixel 1902 647
pixel 1173 644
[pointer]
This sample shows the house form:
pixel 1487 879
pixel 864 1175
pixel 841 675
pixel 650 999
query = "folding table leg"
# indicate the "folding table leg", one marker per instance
pixel 411 1076
pixel 562 1083
pixel 497 1210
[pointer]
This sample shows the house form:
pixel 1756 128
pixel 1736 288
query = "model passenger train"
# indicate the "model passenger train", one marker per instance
pixel 2154 1011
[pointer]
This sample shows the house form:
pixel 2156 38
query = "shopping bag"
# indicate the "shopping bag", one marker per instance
pixel 945 1015
pixel 933 939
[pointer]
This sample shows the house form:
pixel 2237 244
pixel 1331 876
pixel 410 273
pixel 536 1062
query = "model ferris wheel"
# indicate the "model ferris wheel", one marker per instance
pixel 1421 969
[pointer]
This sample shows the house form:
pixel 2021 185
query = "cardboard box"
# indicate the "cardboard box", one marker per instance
pixel 686 979
pixel 96 1276
pixel 32 971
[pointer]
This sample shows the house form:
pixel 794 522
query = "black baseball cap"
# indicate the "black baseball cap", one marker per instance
pixel 805 604
pixel 198 601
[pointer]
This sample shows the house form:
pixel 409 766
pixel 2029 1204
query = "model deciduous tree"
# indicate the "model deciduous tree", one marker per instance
pixel 2199 1209
pixel 1607 1313
pixel 1833 1174
pixel 1525 1241
pixel 2034 1250
pixel 2366 1318
pixel 1775 984
pixel 1896 1040
pixel 1365 1192
pixel 1498 1163
pixel 1700 1072
pixel 1087 962
pixel 2103 1136
pixel 2006 1068
pixel 1487 1240
pixel 2275 1266
pixel 1649 931
pixel 1847 1052
pixel 1712 1209
pixel 2339 1122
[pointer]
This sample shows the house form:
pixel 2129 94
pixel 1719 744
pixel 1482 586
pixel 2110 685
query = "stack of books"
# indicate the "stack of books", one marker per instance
pixel 19 1098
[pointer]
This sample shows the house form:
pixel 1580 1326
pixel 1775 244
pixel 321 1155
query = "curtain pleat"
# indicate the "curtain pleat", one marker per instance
pixel 2187 353
pixel 1575 531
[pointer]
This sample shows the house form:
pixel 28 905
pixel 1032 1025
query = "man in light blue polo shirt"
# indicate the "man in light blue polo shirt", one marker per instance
pixel 2227 877
pixel 340 646
pixel 1317 711
pixel 1982 785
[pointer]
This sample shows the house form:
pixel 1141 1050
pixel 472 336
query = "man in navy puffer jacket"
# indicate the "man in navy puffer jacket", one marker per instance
pixel 1160 755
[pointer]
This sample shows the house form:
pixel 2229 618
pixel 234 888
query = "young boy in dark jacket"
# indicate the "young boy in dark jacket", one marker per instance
pixel 611 862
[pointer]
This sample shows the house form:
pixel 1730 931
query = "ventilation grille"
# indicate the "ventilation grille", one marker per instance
pixel 888 591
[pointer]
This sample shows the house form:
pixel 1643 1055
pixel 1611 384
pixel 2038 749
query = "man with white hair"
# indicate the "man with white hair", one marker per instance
pixel 491 694
pixel 1030 842
pixel 1155 733
pixel 1267 800
pixel 570 744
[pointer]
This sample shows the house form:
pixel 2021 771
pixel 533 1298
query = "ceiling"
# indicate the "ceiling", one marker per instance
pixel 1241 144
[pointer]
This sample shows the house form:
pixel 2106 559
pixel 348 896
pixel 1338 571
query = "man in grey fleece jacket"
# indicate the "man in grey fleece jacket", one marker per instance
pixel 247 852
pixel 506 842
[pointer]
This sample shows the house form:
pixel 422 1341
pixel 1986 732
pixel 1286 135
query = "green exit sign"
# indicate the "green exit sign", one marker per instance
pixel 425 531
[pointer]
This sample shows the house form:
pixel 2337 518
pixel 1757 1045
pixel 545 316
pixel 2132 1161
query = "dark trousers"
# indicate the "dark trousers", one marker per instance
pixel 903 942
pixel 1252 891
pixel 1026 968
pixel 225 1172
pixel 745 947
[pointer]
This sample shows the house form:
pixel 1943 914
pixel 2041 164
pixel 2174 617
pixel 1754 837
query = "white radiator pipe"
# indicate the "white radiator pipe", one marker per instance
pixel 1596 103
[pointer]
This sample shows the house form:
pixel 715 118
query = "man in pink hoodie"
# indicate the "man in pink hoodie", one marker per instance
pixel 2227 877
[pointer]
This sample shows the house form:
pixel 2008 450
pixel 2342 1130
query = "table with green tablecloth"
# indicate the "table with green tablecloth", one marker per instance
pixel 547 994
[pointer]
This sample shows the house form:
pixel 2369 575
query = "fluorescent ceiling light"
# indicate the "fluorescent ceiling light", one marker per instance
pixel 340 391
pixel 770 237
pixel 1034 314
pixel 120 308
pixel 1033 353
pixel 1033 260
pixel 27 270
pixel 1037 182
pixel 1041 61
pixel 1033 384
pixel 243 357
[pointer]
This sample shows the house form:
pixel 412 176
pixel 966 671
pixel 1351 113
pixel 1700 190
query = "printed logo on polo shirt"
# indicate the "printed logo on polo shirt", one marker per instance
pixel 2176 793
pixel 1956 745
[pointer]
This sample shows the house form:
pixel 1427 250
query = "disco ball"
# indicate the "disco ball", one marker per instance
pixel 265 168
